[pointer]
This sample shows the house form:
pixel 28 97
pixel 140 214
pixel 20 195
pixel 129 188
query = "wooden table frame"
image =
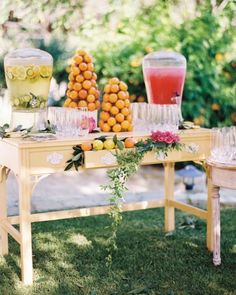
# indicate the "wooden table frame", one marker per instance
pixel 30 161
pixel 219 175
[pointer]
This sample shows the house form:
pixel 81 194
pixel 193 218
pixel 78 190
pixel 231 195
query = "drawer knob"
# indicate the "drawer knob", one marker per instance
pixel 192 148
pixel 55 158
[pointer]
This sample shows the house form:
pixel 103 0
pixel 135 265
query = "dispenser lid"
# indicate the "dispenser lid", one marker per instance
pixel 25 56
pixel 164 58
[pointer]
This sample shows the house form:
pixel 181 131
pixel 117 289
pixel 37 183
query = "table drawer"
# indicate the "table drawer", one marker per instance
pixel 49 160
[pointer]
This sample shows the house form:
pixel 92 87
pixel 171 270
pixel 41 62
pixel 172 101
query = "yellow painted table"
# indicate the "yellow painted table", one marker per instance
pixel 219 175
pixel 29 161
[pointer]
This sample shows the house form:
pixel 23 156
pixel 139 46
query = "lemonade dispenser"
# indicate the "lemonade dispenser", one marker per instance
pixel 164 76
pixel 28 74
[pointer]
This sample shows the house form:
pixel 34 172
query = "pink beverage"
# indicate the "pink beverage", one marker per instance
pixel 164 85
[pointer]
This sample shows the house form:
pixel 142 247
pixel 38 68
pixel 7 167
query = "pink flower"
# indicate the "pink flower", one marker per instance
pixel 167 137
pixel 92 124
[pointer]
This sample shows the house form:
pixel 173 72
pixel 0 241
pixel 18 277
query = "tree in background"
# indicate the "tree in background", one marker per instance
pixel 120 33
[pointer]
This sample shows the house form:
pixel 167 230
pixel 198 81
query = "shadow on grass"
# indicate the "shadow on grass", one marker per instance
pixel 69 258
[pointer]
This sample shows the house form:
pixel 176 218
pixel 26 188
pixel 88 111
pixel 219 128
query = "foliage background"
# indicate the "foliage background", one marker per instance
pixel 119 33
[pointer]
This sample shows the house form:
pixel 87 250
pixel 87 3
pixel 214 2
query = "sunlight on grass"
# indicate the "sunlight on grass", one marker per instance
pixel 80 240
pixel 192 244
pixel 233 250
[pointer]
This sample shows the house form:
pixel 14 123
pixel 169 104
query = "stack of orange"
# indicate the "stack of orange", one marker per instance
pixel 115 115
pixel 82 87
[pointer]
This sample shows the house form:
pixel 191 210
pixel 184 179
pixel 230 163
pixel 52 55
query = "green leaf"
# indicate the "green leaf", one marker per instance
pixel 102 138
pixel 120 144
pixel 115 139
pixel 69 166
pixel 77 157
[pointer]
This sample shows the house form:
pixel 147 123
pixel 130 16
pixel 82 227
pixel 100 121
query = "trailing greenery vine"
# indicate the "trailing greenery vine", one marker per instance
pixel 128 162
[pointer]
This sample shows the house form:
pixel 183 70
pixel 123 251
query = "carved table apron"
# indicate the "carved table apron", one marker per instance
pixel 219 175
pixel 32 160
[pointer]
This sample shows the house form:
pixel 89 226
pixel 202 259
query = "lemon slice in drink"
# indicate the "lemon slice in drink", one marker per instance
pixel 32 72
pixel 45 71
pixel 19 72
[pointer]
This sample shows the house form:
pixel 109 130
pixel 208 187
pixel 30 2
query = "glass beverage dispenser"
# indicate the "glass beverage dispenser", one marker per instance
pixel 28 74
pixel 164 76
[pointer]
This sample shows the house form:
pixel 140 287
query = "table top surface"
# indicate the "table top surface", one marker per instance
pixel 225 166
pixel 28 142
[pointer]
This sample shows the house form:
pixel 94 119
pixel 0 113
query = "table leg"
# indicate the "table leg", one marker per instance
pixel 216 225
pixel 25 228
pixel 3 211
pixel 169 195
pixel 209 214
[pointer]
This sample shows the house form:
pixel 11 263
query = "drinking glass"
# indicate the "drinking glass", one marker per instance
pixel 83 121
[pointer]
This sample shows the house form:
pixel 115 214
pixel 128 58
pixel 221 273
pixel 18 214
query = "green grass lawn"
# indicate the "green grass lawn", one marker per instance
pixel 69 258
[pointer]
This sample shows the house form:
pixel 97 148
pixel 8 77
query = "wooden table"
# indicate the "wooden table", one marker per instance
pixel 219 175
pixel 30 161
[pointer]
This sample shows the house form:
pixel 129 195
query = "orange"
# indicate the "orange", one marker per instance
pixel 71 77
pixel 111 121
pixel 67 102
pixel 79 78
pixel 101 123
pixel 113 97
pixel 129 118
pixel 70 85
pixel 92 90
pixel 97 93
pixel 125 111
pixel 94 76
pixel 106 127
pixel 114 110
pixel 77 86
pixel 91 98
pixel 114 81
pixel 140 99
pixel 75 70
pixel 90 67
pixel 130 128
pixel 123 86
pixel 106 106
pixel 86 84
pixel 81 52
pixel 116 128
pixel 107 88
pixel 114 88
pixel 94 83
pixel 127 94
pixel 82 104
pixel 120 117
pixel 83 66
pixel 78 59
pixel 104 116
pixel 129 142
pixel 91 106
pixel 127 102
pixel 125 124
pixel 83 93
pixel 122 95
pixel 73 94
pixel 88 58
pixel 106 97
pixel 98 104
pixel 87 146
pixel 68 93
pixel 87 75
pixel 73 104
pixel 120 104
